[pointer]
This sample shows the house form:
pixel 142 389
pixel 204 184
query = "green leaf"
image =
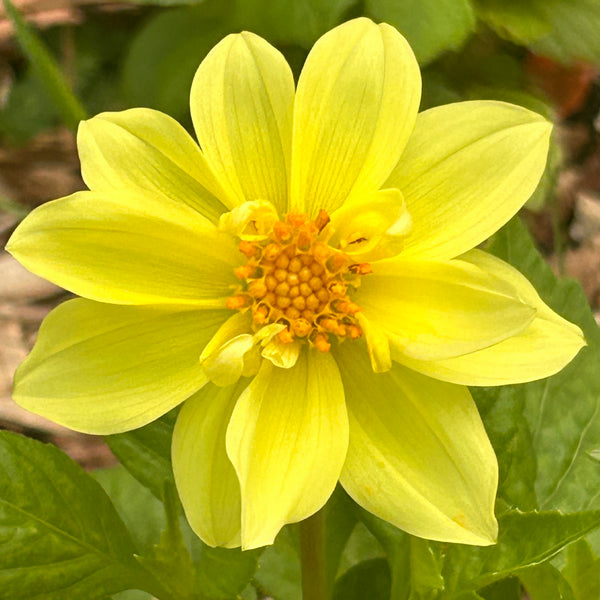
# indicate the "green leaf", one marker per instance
pixel 362 545
pixel 520 22
pixel 448 23
pixel 545 582
pixel 164 55
pixel 369 579
pixel 170 560
pixel 290 21
pixel 415 564
pixel 506 589
pixel 425 568
pixel 582 571
pixel 132 595
pixel 59 531
pixel 563 411
pixel 146 452
pixel 223 573
pixel 279 568
pixel 525 539
pixel 220 574
pixel 143 514
pixel 51 77
pixel 566 30
pixel 509 433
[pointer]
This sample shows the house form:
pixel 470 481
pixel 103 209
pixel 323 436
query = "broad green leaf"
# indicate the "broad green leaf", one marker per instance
pixel 509 433
pixel 164 55
pixel 448 23
pixel 250 593
pixel 566 30
pixel 563 411
pixel 361 545
pixel 369 579
pixel 545 582
pixel 143 514
pixel 146 452
pixel 582 571
pixel 415 564
pixel 425 568
pixel 223 573
pixel 59 531
pixel 524 539
pixel 279 568
pixel 47 70
pixel 132 595
pixel 520 22
pixel 290 21
pixel 506 589
pixel 170 560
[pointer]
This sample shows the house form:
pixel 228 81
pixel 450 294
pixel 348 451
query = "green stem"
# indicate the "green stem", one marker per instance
pixel 312 555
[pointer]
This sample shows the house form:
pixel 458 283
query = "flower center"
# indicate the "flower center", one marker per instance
pixel 294 278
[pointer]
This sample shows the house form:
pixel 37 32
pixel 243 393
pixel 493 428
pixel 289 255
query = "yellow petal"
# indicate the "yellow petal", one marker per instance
pixel 205 478
pixel 282 354
pixel 101 368
pixel 223 357
pixel 127 249
pixel 287 440
pixel 144 149
pixel 378 344
pixel 372 227
pixel 242 102
pixel 250 221
pixel 542 349
pixel 356 105
pixel 418 454
pixel 435 310
pixel 466 170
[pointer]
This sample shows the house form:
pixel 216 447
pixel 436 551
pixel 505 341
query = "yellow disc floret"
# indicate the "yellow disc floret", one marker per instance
pixel 294 278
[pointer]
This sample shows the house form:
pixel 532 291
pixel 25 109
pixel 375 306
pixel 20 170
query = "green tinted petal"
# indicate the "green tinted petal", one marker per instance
pixel 287 440
pixel 466 170
pixel 205 478
pixel 127 249
pixel 144 149
pixel 418 454
pixel 434 310
pixel 101 368
pixel 540 350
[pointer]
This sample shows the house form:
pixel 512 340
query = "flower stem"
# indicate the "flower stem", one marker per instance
pixel 312 556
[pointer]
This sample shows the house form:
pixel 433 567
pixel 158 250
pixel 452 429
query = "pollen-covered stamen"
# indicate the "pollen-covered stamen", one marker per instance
pixel 294 278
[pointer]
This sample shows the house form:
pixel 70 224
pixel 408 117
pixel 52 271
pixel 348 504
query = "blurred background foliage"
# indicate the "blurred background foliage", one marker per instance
pixel 145 52
pixel 114 55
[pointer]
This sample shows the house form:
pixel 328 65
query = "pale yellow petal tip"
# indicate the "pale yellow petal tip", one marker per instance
pixel 212 537
pixel 260 539
pixel 484 535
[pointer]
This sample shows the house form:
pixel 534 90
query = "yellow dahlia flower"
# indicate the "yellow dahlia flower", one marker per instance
pixel 305 280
